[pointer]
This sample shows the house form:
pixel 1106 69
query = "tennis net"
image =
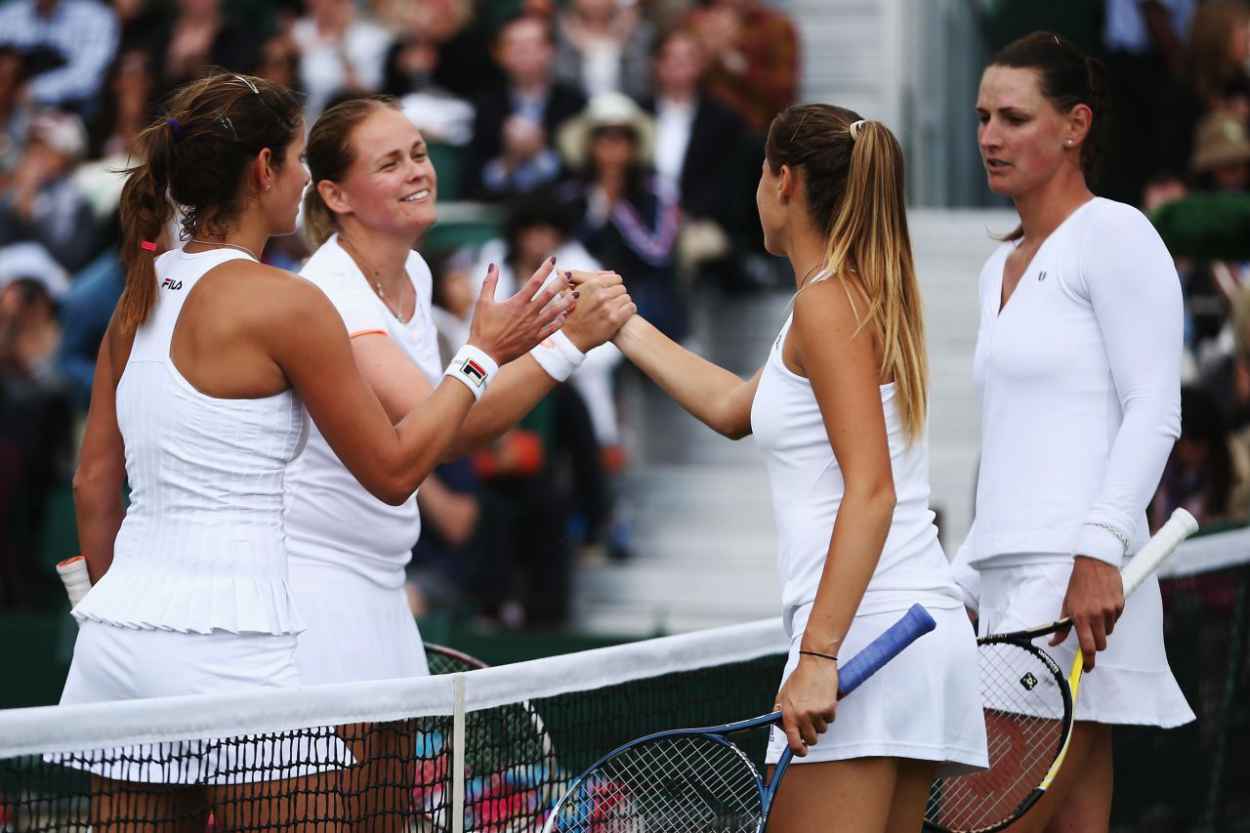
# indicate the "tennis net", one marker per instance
pixel 488 750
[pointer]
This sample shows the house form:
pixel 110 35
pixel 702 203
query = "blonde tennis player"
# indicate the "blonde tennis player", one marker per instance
pixel 209 368
pixel 839 410
pixel 1078 370
pixel 373 198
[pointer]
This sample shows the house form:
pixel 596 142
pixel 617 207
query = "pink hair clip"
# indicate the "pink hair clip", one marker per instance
pixel 147 246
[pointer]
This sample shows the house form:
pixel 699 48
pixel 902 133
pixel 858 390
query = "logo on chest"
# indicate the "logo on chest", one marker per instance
pixel 170 283
pixel 1041 276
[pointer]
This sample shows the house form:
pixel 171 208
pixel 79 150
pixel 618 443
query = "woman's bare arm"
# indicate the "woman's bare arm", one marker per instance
pixel 710 393
pixel 101 471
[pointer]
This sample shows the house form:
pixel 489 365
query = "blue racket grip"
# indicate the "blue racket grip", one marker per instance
pixel 915 624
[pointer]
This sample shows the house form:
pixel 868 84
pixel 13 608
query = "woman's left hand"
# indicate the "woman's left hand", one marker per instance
pixel 603 306
pixel 808 702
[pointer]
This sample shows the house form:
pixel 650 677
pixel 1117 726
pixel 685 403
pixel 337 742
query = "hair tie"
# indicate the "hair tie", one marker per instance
pixel 175 127
pixel 854 129
pixel 147 246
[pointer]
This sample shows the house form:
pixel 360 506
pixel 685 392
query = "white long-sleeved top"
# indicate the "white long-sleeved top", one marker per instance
pixel 1079 382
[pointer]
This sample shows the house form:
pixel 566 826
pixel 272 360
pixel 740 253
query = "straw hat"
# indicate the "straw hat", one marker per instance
pixel 606 110
pixel 1220 139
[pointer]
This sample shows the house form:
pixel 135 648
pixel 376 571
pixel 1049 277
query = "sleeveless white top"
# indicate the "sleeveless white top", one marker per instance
pixel 330 517
pixel 807 488
pixel 201 546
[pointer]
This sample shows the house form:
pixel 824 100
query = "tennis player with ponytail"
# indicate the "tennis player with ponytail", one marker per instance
pixel 1078 370
pixel 839 409
pixel 209 368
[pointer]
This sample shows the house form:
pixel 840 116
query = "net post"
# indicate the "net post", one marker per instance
pixel 457 752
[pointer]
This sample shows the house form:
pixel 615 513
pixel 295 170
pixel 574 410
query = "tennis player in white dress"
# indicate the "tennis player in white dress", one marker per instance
pixel 373 199
pixel 839 410
pixel 200 397
pixel 1078 371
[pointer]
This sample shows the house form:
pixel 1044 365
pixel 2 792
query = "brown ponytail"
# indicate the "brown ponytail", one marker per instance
pixel 196 158
pixel 854 182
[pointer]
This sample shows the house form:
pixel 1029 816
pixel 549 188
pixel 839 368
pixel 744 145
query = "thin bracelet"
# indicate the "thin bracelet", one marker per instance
pixel 819 654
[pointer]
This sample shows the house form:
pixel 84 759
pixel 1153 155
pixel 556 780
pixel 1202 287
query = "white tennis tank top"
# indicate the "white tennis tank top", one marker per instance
pixel 330 517
pixel 201 547
pixel 807 489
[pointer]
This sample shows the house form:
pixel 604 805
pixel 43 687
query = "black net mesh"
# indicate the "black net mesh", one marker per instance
pixel 386 777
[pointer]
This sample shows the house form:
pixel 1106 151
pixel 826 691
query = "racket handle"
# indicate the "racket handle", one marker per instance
pixel 1179 527
pixel 73 573
pixel 915 624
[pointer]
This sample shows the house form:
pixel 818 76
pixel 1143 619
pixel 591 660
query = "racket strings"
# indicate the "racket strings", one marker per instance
pixel 1024 715
pixel 682 783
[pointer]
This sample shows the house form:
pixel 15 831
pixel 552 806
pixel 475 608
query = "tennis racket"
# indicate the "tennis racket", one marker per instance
pixel 1029 711
pixel 698 779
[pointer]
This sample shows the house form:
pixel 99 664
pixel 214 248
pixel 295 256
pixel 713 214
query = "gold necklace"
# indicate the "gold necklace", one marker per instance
pixel 374 281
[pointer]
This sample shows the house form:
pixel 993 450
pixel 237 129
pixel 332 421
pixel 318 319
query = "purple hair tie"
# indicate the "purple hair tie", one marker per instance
pixel 175 127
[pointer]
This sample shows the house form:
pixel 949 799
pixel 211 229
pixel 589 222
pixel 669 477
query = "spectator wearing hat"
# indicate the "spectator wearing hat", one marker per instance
pixel 1221 157
pixel 41 202
pixel 516 121
pixel 603 46
pixel 631 220
pixel 69 43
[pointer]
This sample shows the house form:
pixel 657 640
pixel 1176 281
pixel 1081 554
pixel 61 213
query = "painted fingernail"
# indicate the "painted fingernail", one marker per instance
pixel 577 293
pixel 553 260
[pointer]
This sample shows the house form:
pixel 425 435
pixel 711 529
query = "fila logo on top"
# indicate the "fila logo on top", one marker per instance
pixel 170 283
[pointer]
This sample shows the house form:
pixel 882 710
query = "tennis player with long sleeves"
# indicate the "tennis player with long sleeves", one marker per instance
pixel 1078 370
pixel 839 410
pixel 205 378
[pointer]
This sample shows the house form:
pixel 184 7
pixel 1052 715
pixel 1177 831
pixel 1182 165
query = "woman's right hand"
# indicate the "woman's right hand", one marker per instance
pixel 507 329
pixel 603 306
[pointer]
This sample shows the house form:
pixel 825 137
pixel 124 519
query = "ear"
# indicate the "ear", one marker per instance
pixel 265 174
pixel 1080 120
pixel 787 183
pixel 334 198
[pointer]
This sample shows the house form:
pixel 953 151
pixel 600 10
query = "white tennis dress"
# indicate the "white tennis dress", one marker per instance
pixel 1079 382
pixel 926 703
pixel 348 549
pixel 196 600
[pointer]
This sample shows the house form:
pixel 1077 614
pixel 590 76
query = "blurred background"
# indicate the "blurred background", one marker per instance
pixel 608 515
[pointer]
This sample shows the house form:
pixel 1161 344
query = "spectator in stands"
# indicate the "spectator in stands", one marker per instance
pixel 278 61
pixel 1149 112
pixel 515 122
pixel 630 219
pixel 41 202
pixel 69 45
pixel 1219 50
pixel 1221 160
pixel 14 113
pixel 340 51
pixel 131 85
pixel 755 54
pixel 706 154
pixel 604 46
pixel 409 78
pixel 36 426
pixel 1199 473
pixel 199 35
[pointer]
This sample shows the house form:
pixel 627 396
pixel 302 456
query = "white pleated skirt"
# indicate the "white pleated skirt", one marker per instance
pixel 925 704
pixel 354 630
pixel 1132 682
pixel 113 663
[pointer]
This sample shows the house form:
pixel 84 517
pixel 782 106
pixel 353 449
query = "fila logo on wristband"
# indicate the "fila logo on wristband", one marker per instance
pixel 474 371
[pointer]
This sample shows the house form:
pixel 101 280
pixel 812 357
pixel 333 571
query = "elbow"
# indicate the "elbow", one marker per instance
pixel 92 485
pixel 873 500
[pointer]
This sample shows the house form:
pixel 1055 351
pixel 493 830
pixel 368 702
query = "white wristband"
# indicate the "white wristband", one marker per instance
pixel 474 368
pixel 558 356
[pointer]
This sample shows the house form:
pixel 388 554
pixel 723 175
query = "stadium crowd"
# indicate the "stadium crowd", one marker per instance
pixel 623 134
